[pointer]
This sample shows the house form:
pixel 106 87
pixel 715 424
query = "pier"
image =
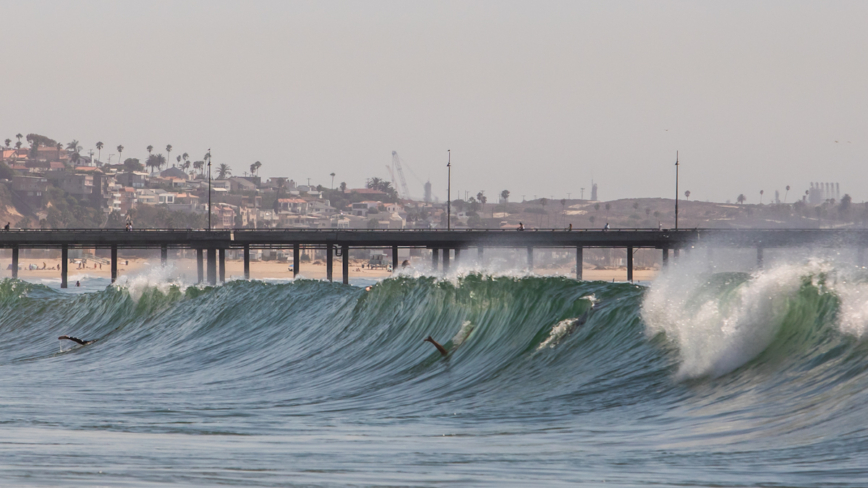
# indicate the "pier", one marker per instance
pixel 211 246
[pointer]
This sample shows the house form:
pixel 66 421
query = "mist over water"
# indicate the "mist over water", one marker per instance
pixel 708 375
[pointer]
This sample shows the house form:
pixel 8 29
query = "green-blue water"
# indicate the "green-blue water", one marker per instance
pixel 731 380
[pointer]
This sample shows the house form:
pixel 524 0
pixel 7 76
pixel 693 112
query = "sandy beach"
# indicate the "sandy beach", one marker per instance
pixel 186 268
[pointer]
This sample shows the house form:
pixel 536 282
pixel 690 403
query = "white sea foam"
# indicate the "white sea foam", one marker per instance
pixel 713 337
pixel 160 277
pixel 852 292
pixel 463 333
pixel 558 332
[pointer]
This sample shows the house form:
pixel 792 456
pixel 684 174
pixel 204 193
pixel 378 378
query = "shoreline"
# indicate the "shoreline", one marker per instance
pixel 186 268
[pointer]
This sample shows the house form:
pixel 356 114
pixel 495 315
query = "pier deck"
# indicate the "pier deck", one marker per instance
pixel 215 242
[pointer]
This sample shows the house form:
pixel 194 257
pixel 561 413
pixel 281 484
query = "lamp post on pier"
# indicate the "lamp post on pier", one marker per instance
pixel 208 157
pixel 676 190
pixel 449 191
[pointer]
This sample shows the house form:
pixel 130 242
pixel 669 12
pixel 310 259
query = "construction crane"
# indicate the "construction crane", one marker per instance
pixel 396 166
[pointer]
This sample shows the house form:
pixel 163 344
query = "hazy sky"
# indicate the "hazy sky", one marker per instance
pixel 535 97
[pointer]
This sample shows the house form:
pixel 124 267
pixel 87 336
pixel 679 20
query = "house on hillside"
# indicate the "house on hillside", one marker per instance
pixel 175 182
pixel 321 207
pixel 339 222
pixel 14 155
pixel 77 184
pixel 267 219
pixel 361 209
pixel 257 181
pixel 127 197
pixel 293 205
pixel 241 184
pixel 225 185
pixel 134 179
pixel 30 189
pixel 174 172
pixel 225 216
pixel 44 153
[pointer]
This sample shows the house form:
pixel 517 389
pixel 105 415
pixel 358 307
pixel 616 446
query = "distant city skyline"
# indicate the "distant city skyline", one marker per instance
pixel 534 97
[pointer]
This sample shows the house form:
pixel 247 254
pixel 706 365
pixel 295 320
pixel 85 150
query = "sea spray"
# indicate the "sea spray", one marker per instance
pixel 558 332
pixel 463 333
pixel 720 322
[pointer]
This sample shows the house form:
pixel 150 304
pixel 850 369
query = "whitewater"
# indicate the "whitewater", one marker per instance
pixel 704 377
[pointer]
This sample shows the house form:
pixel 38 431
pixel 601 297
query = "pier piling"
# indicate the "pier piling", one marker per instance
pixel 247 261
pixel 296 259
pixel 580 260
pixel 114 264
pixel 222 265
pixel 345 263
pixel 212 266
pixel 15 261
pixel 64 265
pixel 199 265
pixel 630 264
pixel 329 261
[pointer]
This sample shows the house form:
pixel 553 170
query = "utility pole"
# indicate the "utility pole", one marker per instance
pixel 676 190
pixel 449 191
pixel 583 194
pixel 209 194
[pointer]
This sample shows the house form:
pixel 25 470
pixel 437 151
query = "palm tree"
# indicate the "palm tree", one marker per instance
pixel 258 165
pixel 761 196
pixel 73 145
pixel 99 146
pixel 333 180
pixel 787 193
pixel 18 145
pixel 19 136
pixel 185 156
pixel 178 159
pixel 223 171
pixel 168 151
pixel 741 198
pixel 505 196
pixel 150 149
pixel 8 142
pixel 687 195
pixel 252 168
pixel 121 154
pixel 200 165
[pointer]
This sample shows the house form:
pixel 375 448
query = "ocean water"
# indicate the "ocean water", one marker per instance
pixel 697 379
